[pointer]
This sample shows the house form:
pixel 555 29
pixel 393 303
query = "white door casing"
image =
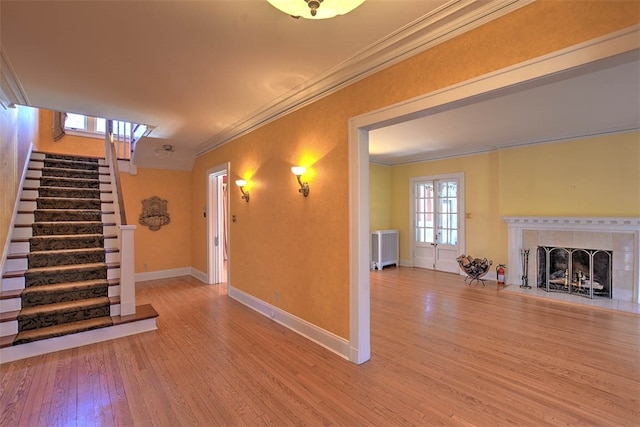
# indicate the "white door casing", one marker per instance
pixel 436 207
pixel 215 225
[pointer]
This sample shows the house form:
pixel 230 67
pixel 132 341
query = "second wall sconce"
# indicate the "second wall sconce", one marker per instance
pixel 245 194
pixel 298 171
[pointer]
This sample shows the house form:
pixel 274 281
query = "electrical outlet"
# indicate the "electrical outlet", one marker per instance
pixel 277 295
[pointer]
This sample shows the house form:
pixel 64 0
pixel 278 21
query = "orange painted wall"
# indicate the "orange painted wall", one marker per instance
pixel 168 248
pixel 69 144
pixel 18 130
pixel 299 247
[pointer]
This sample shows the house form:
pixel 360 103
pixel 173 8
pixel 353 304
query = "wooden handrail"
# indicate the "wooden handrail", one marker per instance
pixel 116 171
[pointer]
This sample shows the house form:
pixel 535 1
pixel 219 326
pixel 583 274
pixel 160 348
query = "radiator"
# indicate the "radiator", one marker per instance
pixel 384 248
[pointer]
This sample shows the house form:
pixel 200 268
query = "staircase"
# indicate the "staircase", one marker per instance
pixel 62 271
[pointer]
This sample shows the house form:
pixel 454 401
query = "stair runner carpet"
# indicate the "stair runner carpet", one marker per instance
pixel 66 287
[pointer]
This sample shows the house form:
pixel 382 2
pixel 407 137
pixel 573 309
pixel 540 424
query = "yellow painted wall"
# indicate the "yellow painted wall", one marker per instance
pixel 283 242
pixel 597 176
pixel 168 248
pixel 481 198
pixel 380 197
pixel 588 177
pixel 69 144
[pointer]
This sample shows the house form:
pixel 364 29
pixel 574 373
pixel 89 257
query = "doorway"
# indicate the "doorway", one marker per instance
pixel 436 204
pixel 216 213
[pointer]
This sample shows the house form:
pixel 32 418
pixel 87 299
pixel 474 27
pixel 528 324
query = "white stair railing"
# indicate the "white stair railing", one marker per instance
pixel 125 230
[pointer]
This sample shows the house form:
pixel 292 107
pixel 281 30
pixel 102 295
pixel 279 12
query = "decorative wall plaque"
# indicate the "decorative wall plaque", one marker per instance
pixel 154 213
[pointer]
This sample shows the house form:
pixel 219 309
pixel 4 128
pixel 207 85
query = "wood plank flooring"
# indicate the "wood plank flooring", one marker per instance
pixel 442 354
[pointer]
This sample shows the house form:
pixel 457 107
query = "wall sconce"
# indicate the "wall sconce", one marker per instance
pixel 245 194
pixel 298 171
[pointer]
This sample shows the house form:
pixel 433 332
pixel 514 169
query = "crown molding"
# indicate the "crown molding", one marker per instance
pixel 445 23
pixel 11 91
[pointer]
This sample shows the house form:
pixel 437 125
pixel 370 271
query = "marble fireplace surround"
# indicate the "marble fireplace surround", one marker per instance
pixel 618 234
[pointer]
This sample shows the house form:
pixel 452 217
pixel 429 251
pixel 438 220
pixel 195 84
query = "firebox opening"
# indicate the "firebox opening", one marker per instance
pixel 585 272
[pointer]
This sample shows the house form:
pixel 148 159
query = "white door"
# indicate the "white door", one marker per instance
pixel 437 222
pixel 216 225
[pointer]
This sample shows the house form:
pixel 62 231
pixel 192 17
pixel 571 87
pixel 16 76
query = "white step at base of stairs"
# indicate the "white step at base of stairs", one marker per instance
pixel 37 156
pixel 22 351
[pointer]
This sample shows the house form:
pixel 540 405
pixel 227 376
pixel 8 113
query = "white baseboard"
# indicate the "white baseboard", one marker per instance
pixel 163 274
pixel 200 275
pixel 36 348
pixel 326 339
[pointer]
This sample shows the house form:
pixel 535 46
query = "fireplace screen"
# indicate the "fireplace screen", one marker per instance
pixel 585 272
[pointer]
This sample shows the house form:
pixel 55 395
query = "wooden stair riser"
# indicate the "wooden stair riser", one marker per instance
pixel 27 323
pixel 68 203
pixel 33 296
pixel 63 275
pixel 52 243
pixel 48 259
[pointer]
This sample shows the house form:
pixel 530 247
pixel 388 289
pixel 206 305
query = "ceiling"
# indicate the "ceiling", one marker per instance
pixel 204 72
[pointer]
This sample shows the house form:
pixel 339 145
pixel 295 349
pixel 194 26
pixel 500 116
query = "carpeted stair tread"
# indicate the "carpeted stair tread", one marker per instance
pixel 63 307
pixel 66 257
pixel 68 203
pixel 93 193
pixel 67 215
pixel 62 268
pixel 52 228
pixel 64 329
pixel 70 157
pixel 65 287
pixel 66 241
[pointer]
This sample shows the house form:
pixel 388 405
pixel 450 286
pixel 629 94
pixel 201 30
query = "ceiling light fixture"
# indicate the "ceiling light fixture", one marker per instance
pixel 166 150
pixel 315 9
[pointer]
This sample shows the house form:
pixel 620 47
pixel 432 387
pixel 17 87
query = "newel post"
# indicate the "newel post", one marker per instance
pixel 127 270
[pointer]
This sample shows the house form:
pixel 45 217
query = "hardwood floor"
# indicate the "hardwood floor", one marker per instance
pixel 442 354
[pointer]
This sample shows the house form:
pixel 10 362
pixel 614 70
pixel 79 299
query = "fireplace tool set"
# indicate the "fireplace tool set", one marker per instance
pixel 525 269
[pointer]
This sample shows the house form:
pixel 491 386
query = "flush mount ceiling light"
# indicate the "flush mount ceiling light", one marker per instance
pixel 166 150
pixel 315 9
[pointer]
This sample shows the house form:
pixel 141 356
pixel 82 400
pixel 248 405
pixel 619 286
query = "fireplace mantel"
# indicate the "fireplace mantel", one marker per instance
pixel 518 225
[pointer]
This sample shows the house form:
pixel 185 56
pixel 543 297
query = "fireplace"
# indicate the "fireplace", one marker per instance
pixel 583 247
pixel 583 272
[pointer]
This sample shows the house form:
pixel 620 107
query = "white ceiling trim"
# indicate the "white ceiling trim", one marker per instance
pixel 449 21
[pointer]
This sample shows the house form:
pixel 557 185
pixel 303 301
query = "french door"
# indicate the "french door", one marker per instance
pixel 437 206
